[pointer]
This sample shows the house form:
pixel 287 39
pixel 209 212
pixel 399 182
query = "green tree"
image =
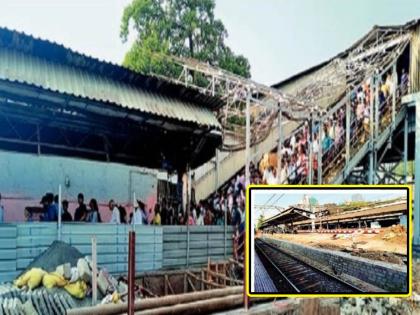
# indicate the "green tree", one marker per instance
pixel 260 221
pixel 185 28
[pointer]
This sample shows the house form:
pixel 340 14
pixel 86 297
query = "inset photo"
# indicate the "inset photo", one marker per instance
pixel 329 241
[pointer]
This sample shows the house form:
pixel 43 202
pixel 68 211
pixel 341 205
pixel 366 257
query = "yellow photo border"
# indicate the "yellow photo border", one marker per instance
pixel 329 295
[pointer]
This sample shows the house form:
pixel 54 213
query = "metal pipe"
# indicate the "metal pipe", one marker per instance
pixel 310 144
pixel 188 213
pixel 348 122
pixel 198 307
pixel 405 147
pixel 59 213
pixel 320 135
pixel 94 272
pixel 111 309
pixel 372 136
pixel 394 92
pixel 248 139
pixel 279 146
pixel 131 270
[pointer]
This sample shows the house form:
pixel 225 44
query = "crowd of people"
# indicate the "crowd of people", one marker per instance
pixel 225 206
pixel 331 140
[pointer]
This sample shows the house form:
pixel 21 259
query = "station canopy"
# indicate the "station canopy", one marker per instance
pixel 56 101
pixel 289 215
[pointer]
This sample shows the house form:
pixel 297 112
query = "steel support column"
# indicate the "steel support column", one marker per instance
pixel 348 121
pixel 311 140
pixel 279 146
pixel 394 92
pixel 248 139
pixel 405 159
pixel 217 164
pixel 320 137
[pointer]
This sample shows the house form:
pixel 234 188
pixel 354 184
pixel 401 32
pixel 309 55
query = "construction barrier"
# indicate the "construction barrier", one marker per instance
pixel 344 231
pixel 157 247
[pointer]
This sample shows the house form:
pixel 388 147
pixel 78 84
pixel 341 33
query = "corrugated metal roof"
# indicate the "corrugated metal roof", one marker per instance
pixel 22 66
pixel 312 69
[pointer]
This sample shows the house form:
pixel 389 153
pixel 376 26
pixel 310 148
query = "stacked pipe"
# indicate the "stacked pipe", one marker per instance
pixel 197 302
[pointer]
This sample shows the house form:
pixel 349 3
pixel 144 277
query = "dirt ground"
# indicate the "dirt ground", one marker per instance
pixel 389 245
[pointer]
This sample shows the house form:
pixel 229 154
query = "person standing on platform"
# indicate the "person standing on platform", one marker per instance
pixel 94 215
pixel 115 218
pixel 81 211
pixel 66 216
pixel 139 216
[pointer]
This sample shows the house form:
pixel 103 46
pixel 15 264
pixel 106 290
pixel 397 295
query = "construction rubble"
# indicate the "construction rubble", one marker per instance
pixel 57 280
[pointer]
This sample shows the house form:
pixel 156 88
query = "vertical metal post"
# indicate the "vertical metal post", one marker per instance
pixel 310 145
pixel 246 299
pixel 94 272
pixel 405 148
pixel 320 135
pixel 225 231
pixel 279 146
pixel 59 213
pixel 131 270
pixel 394 92
pixel 248 138
pixel 348 122
pixel 188 213
pixel 216 179
pixel 374 117
pixel 376 131
pixel 372 102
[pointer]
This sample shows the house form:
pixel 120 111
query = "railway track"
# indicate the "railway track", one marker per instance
pixel 292 275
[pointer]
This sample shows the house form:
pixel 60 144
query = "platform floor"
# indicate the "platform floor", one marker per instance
pixel 262 281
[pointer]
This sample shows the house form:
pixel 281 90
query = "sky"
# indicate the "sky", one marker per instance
pixel 286 198
pixel 279 37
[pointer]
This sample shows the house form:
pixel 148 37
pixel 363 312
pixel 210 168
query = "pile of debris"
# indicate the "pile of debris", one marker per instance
pixel 394 233
pixel 57 280
pixel 378 306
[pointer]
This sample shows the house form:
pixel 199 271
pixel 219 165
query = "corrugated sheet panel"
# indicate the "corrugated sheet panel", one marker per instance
pixel 157 247
pixel 204 242
pixel 19 67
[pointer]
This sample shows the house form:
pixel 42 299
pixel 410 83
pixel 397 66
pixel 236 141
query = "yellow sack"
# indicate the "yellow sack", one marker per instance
pixel 77 289
pixel 115 297
pixel 53 279
pixel 22 280
pixel 31 278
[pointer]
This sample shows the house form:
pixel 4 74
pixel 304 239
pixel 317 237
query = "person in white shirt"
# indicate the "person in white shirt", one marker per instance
pixel 315 144
pixel 200 218
pixel 293 142
pixel 115 218
pixel 137 215
pixel 269 176
pixel 284 173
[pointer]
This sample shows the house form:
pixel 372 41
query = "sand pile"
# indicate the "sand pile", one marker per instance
pixel 394 234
